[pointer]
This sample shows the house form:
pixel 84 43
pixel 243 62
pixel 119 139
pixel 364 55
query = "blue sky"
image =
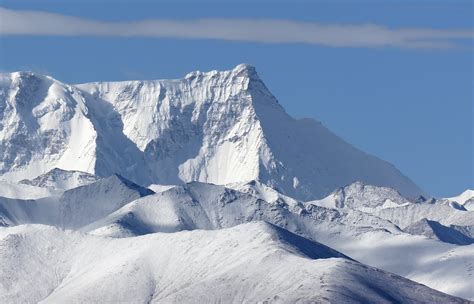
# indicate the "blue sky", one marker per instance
pixel 411 106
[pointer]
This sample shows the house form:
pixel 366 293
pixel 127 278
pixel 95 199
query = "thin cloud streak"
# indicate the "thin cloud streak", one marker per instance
pixel 37 23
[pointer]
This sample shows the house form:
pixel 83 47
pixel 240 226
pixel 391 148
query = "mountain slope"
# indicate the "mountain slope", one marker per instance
pixel 368 238
pixel 362 197
pixel 73 208
pixel 43 125
pixel 390 205
pixel 435 230
pixel 206 206
pixel 245 263
pixel 22 191
pixel 441 211
pixel 59 179
pixel 217 127
pixel 465 199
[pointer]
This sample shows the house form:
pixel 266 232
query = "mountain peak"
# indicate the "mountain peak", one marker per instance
pixel 243 69
pixel 250 70
pixel 25 77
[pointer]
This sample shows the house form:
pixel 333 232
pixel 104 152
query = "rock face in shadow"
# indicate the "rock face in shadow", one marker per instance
pixel 435 230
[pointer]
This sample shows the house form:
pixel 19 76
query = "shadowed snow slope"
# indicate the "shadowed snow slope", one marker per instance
pixel 435 230
pixel 247 263
pixel 74 208
pixel 217 127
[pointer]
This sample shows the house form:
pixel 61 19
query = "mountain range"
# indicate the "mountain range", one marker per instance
pixel 203 189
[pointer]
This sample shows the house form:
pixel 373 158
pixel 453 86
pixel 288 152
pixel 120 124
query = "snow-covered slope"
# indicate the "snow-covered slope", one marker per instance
pixel 441 211
pixel 266 193
pixel 206 206
pixel 417 217
pixel 246 263
pixel 463 197
pixel 363 197
pixel 466 199
pixel 368 238
pixel 74 208
pixel 469 204
pixel 439 265
pixel 389 204
pixel 199 206
pixel 59 179
pixel 217 127
pixel 22 191
pixel 43 125
pixel 159 188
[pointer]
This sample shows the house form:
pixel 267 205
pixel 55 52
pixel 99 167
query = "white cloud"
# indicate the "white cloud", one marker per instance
pixel 15 22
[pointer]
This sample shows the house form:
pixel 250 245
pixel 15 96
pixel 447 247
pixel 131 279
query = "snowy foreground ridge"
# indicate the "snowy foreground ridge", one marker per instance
pixel 203 190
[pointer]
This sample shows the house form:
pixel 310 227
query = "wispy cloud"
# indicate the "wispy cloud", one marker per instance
pixel 37 23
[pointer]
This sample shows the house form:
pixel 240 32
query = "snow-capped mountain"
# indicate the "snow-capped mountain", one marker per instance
pixel 203 189
pixel 216 127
